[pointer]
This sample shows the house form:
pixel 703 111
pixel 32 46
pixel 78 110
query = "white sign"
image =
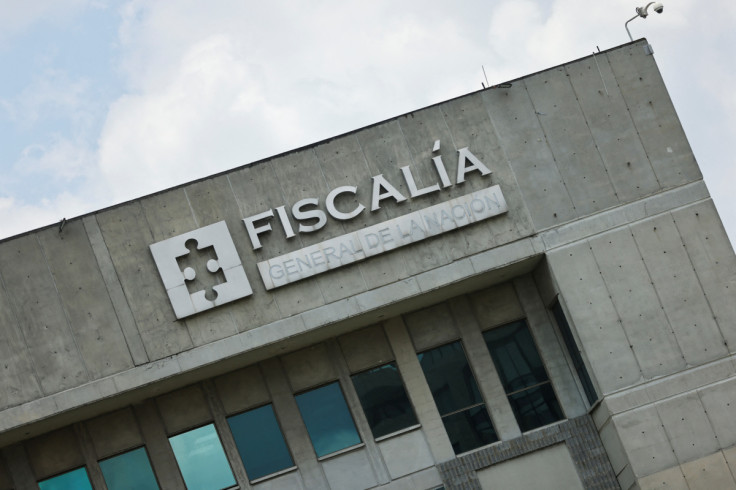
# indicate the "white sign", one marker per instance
pixel 382 237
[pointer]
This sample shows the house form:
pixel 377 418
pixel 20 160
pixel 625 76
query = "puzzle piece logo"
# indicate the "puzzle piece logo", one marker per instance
pixel 201 269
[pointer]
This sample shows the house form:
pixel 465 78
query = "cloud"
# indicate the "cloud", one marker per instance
pixel 19 16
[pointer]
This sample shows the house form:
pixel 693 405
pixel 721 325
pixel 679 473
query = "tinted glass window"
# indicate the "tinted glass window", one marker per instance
pixel 384 401
pixel 449 377
pixel 202 460
pixel 572 349
pixel 260 442
pixel 457 397
pixel 523 375
pixel 71 480
pixel 129 470
pixel 328 420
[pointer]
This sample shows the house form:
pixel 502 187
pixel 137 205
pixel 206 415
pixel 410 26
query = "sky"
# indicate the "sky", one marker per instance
pixel 105 101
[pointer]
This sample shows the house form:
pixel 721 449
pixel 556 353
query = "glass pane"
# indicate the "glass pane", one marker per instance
pixel 260 442
pixel 572 349
pixel 469 429
pixel 515 356
pixel 450 378
pixel 535 407
pixel 129 470
pixel 202 460
pixel 71 480
pixel 384 399
pixel 328 419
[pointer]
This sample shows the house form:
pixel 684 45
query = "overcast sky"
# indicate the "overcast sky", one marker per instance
pixel 104 101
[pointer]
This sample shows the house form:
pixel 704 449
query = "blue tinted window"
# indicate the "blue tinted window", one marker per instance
pixel 71 480
pixel 202 460
pixel 129 470
pixel 384 401
pixel 328 419
pixel 260 442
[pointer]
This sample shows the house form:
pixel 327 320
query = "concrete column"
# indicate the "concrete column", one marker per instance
pixel 549 348
pixel 19 467
pixel 90 457
pixel 295 432
pixel 162 457
pixel 223 430
pixel 361 422
pixel 486 376
pixel 418 390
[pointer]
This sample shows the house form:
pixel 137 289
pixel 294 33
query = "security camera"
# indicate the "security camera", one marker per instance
pixel 658 7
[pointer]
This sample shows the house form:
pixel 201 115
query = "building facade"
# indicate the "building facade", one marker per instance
pixel 524 287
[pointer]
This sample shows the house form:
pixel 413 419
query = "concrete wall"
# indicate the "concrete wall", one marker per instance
pixel 599 179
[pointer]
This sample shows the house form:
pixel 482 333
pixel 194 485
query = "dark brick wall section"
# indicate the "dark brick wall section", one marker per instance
pixel 578 434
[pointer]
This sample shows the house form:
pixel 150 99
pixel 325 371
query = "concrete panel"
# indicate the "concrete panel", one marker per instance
pixel 365 348
pixel 719 402
pixel 308 367
pixel 292 426
pixel 290 481
pixel 614 448
pixel 88 308
pixel 350 471
pixel 406 453
pixel 730 456
pixel 18 382
pixel 300 176
pixel 115 290
pixel 54 453
pixel 612 129
pixel 343 164
pixel 570 141
pixel 418 391
pixel 127 238
pixel 550 348
pixel 212 200
pixel 30 286
pixel 712 256
pixel 670 479
pixel 594 318
pixel 687 426
pixel 159 450
pixel 654 115
pixel 386 151
pixel 431 327
pixel 636 303
pixel 645 441
pixel 471 127
pixel 426 479
pixel 550 468
pixel 242 389
pixel 421 130
pixel 496 306
pixel 486 376
pixel 679 289
pixel 19 467
pixel 183 409
pixel 708 473
pixel 527 151
pixel 114 433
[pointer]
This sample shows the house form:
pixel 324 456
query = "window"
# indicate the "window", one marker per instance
pixel 523 375
pixel 328 420
pixel 71 480
pixel 384 401
pixel 202 460
pixel 457 397
pixel 260 442
pixel 572 349
pixel 129 470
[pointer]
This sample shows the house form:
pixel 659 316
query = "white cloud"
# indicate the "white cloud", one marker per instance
pixel 17 16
